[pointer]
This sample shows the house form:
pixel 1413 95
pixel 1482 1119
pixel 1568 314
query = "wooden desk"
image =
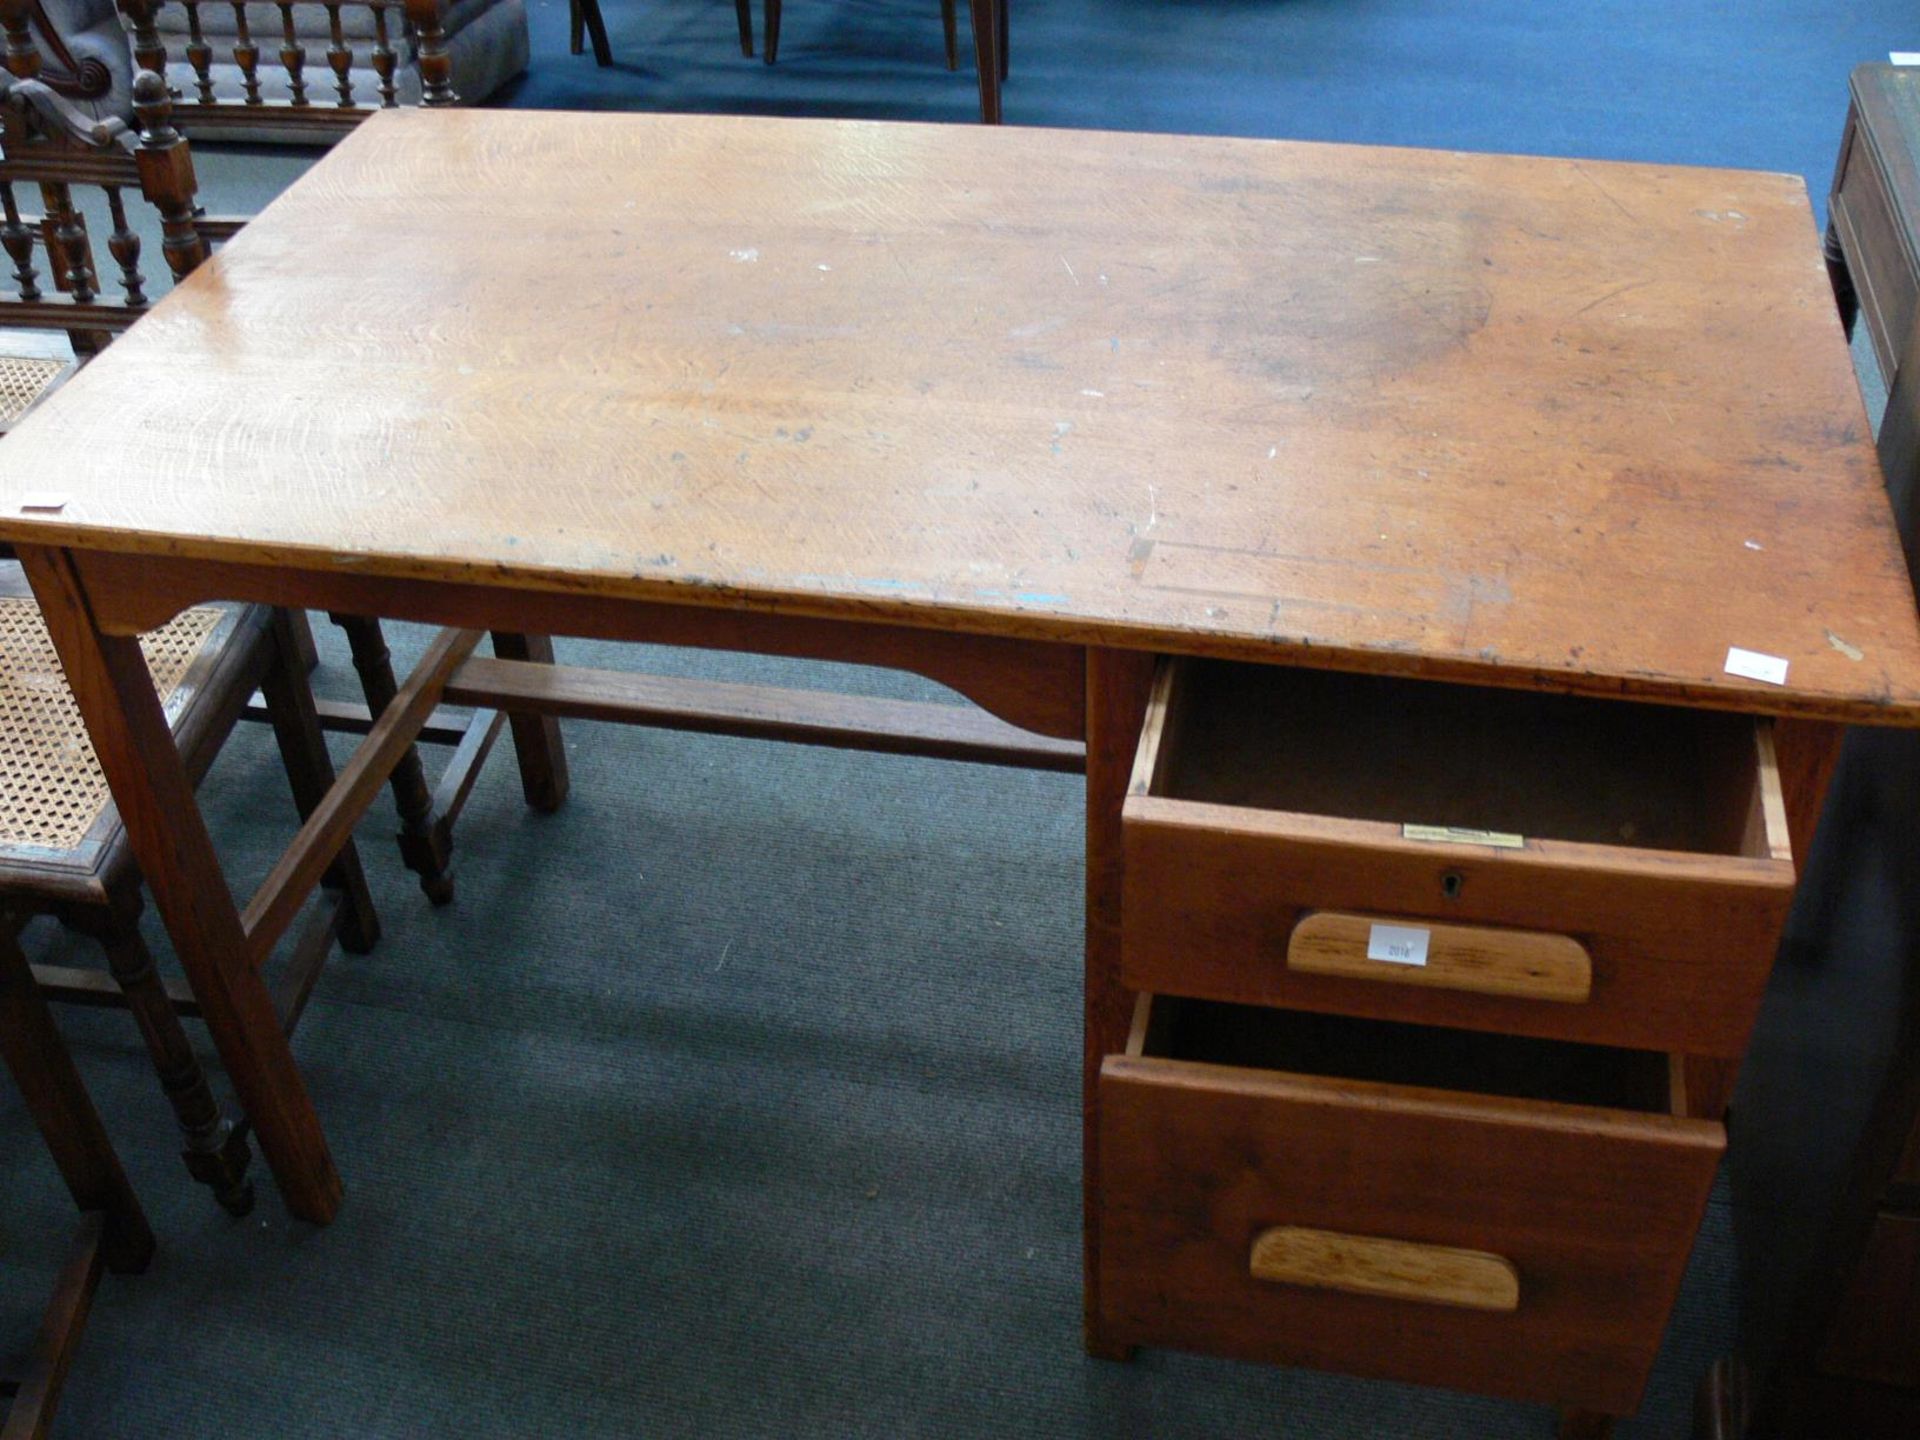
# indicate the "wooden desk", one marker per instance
pixel 1023 412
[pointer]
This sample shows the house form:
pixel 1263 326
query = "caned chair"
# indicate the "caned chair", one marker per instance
pixel 63 849
pixel 51 146
pixel 62 846
pixel 113 1233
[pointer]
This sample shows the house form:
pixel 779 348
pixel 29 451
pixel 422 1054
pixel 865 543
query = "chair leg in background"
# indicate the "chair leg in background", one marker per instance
pixel 986 56
pixel 426 841
pixel 589 11
pixel 536 738
pixel 303 750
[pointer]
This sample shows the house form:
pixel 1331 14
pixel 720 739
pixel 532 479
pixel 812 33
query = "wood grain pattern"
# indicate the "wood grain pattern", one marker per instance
pixel 1118 683
pixel 803 717
pixel 1360 408
pixel 1231 842
pixel 1681 944
pixel 1526 964
pixel 1595 1208
pixel 155 797
pixel 1394 1269
pixel 1038 687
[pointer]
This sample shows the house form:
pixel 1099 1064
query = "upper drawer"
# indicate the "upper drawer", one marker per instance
pixel 1630 891
pixel 1487 1212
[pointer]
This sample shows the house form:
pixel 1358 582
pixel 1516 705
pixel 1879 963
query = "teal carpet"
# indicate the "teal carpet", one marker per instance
pixel 741 1097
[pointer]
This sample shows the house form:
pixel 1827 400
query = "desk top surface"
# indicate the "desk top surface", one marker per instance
pixel 1526 421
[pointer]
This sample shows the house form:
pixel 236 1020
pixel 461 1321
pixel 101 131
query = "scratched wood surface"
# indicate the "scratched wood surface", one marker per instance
pixel 1527 421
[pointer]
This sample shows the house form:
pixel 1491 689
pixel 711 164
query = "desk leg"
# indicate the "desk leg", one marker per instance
pixel 536 738
pixel 1808 750
pixel 1118 683
pixel 150 785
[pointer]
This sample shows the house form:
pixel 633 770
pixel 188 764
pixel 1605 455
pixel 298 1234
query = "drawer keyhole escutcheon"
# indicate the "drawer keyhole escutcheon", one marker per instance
pixel 1452 883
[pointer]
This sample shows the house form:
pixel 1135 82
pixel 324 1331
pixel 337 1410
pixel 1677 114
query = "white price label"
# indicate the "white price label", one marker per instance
pixel 1752 665
pixel 1397 944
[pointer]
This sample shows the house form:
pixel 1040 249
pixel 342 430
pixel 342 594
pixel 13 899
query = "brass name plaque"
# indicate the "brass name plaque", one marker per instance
pixel 1454 835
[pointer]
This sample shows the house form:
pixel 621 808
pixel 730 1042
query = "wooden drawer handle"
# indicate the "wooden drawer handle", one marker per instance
pixel 1529 964
pixel 1397 1269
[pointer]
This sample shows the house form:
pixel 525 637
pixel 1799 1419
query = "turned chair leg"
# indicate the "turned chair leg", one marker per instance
pixel 215 1150
pixel 303 750
pixel 426 841
pixel 1002 37
pixel 743 14
pixel 949 22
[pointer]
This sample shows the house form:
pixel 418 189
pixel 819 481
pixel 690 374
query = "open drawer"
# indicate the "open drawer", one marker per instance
pixel 1535 864
pixel 1491 1213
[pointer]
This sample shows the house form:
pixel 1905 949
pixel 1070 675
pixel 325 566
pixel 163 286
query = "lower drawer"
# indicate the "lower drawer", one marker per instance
pixel 1490 1213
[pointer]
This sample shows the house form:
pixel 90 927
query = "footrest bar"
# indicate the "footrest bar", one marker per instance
pixel 801 717
pixel 74 985
pixel 351 717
